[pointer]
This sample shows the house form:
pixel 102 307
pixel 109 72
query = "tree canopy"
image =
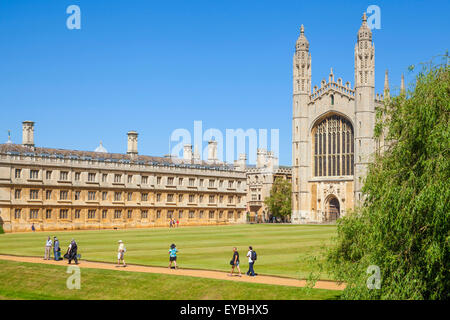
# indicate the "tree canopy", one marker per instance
pixel 279 201
pixel 402 227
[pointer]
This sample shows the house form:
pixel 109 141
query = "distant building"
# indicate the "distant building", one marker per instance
pixel 260 179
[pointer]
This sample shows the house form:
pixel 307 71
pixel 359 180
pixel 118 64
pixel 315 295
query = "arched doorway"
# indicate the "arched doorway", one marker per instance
pixel 333 210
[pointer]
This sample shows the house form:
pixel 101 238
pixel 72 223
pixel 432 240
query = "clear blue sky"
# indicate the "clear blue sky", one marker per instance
pixel 155 66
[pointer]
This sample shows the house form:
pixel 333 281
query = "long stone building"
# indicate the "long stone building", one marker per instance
pixel 332 133
pixel 57 189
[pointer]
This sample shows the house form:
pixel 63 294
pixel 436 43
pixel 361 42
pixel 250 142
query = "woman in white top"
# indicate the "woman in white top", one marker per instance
pixel 120 253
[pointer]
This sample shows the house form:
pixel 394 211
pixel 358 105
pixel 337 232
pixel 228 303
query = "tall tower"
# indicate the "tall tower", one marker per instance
pixel 300 154
pixel 364 105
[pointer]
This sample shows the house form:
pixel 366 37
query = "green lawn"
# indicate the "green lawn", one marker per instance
pixel 282 249
pixel 45 282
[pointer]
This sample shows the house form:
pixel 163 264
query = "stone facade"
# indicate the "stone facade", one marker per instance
pixel 57 189
pixel 260 179
pixel 332 138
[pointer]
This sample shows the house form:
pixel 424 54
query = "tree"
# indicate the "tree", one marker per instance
pixel 279 201
pixel 402 227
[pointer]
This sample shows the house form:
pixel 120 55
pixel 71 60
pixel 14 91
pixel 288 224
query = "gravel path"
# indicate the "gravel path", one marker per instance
pixel 330 285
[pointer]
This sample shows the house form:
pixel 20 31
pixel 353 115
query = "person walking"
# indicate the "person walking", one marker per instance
pixel 72 252
pixel 235 262
pixel 32 227
pixel 173 256
pixel 251 260
pixel 178 223
pixel 120 254
pixel 56 248
pixel 48 248
pixel 170 223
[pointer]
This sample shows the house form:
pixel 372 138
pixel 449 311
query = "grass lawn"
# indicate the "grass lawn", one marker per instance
pixel 46 282
pixel 283 250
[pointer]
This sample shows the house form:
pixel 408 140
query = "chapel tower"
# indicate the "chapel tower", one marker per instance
pixel 301 92
pixel 364 105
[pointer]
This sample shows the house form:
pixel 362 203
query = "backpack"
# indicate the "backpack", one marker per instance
pixel 254 256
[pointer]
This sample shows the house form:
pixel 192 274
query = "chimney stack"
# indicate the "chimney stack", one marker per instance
pixel 241 162
pixel 261 157
pixel 132 143
pixel 272 160
pixel 187 152
pixel 196 154
pixel 212 150
pixel 28 133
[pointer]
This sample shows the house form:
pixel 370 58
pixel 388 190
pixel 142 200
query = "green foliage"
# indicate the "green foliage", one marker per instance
pixel 403 225
pixel 1 229
pixel 279 201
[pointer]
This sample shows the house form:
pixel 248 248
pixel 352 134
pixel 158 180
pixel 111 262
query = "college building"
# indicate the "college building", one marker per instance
pixel 58 189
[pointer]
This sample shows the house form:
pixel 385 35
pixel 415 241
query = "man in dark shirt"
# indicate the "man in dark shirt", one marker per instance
pixel 235 262
pixel 73 252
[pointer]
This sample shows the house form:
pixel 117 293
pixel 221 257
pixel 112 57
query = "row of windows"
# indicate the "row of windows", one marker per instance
pixel 92 196
pixel 92 177
pixel 117 214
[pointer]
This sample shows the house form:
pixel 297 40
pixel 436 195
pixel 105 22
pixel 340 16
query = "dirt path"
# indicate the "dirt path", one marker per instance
pixel 330 285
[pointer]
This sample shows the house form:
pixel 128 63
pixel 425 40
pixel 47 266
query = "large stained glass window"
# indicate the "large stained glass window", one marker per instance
pixel 333 147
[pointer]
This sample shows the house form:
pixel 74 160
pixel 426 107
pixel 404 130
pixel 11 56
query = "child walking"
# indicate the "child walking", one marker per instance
pixel 173 256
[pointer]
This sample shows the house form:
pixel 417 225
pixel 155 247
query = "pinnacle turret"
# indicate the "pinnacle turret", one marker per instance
pixel 386 85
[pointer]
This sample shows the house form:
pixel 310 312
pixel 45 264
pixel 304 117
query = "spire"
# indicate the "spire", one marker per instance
pixel 331 79
pixel 386 85
pixel 364 32
pixel 302 43
pixel 101 148
pixel 402 85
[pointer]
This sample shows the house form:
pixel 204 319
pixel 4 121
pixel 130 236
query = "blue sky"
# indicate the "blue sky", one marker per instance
pixel 155 66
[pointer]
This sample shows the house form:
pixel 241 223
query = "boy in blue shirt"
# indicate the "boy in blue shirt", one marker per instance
pixel 173 256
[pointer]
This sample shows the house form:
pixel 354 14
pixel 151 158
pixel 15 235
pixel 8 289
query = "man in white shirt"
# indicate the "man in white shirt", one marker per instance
pixel 250 271
pixel 48 248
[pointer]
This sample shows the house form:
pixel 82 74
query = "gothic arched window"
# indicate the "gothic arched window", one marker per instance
pixel 333 147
